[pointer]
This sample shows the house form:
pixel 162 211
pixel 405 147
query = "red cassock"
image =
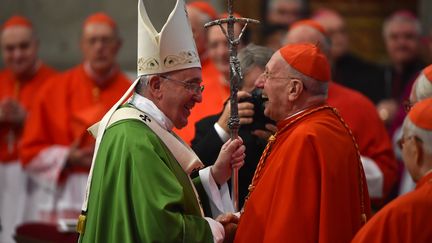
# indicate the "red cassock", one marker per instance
pixel 215 94
pixel 25 92
pixel 368 129
pixel 70 104
pixel 406 219
pixel 311 188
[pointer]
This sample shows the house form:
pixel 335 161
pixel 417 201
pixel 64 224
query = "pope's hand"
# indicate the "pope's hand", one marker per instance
pixel 230 156
pixel 229 222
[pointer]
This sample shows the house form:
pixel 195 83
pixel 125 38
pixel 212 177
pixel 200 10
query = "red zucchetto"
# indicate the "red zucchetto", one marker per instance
pixel 307 59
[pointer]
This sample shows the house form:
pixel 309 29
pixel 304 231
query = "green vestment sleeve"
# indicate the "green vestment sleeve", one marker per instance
pixel 139 192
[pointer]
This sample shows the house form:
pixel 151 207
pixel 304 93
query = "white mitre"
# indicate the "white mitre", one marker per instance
pixel 165 39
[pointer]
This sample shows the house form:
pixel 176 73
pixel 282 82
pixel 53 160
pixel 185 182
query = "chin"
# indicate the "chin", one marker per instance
pixel 181 124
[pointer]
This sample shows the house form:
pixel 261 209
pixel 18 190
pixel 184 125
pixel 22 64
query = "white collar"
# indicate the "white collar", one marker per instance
pixel 147 106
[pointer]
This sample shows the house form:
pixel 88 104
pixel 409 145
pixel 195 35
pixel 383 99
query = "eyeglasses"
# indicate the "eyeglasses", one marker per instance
pixel 195 87
pixel 267 75
pixel 407 105
pixel 402 141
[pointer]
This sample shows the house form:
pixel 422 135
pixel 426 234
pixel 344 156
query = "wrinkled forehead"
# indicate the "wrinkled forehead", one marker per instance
pixel 402 26
pixel 276 64
pixel 96 29
pixel 189 74
pixel 16 33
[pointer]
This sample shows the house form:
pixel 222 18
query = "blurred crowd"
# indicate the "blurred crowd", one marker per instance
pixel 46 152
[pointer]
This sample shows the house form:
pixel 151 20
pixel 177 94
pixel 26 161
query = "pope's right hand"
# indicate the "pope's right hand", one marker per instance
pixel 231 156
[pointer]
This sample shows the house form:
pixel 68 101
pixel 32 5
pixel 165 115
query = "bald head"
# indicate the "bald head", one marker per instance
pixel 307 34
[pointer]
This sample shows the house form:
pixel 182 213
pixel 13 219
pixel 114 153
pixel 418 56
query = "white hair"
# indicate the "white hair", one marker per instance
pixel 313 86
pixel 142 83
pixel 424 135
pixel 423 87
pixel 401 19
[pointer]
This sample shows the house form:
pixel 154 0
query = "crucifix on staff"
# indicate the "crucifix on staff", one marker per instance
pixel 235 78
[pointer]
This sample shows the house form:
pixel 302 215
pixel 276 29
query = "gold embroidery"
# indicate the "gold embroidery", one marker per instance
pixel 147 64
pixel 183 57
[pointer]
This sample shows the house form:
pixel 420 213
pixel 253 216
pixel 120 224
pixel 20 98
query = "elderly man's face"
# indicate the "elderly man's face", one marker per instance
pixel 402 42
pixel 276 82
pixel 19 49
pixel 100 44
pixel 335 28
pixel 178 94
pixel 285 13
pixel 218 48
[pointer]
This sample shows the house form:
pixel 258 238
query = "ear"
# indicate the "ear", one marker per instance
pixel 295 88
pixel 154 86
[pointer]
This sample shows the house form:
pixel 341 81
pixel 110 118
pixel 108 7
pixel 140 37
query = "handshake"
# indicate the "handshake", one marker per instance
pixel 229 221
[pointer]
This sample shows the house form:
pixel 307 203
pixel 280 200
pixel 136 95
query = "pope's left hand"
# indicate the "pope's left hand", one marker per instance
pixel 230 156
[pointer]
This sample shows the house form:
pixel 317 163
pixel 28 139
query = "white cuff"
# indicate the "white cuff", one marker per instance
pixel 47 166
pixel 224 136
pixel 217 230
pixel 220 199
pixel 374 177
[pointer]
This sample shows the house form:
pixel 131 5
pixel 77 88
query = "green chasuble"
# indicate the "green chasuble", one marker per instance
pixel 139 192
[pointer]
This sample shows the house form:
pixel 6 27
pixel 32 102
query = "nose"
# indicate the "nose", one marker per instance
pixel 197 97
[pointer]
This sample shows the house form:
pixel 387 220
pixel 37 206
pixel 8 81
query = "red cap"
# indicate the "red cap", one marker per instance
pixel 204 7
pixel 307 59
pixel 421 114
pixel 100 18
pixel 427 72
pixel 309 22
pixel 17 20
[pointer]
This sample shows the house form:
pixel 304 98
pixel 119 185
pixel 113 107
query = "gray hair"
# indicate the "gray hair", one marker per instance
pixel 424 135
pixel 313 86
pixel 399 18
pixel 254 55
pixel 142 84
pixel 423 87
